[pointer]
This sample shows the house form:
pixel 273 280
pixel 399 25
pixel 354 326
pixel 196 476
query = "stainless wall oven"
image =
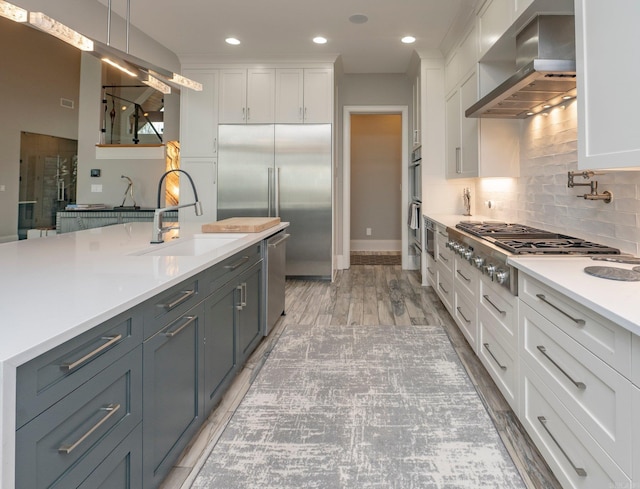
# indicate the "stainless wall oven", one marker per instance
pixel 415 175
pixel 429 237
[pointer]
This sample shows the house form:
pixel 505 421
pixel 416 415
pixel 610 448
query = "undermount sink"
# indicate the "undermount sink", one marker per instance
pixel 199 244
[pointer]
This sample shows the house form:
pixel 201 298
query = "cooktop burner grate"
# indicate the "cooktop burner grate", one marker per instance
pixel 496 230
pixel 558 246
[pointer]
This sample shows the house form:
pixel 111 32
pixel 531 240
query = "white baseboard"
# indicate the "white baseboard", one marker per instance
pixel 376 245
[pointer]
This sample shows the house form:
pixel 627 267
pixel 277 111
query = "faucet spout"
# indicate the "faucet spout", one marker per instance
pixel 158 228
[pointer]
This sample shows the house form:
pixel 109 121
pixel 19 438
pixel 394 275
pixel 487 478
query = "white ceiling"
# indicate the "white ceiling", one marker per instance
pixel 276 29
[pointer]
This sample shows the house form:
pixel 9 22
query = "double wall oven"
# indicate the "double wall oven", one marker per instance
pixel 488 244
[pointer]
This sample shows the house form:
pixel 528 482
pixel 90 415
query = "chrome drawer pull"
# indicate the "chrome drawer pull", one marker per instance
pixel 243 296
pixel 112 340
pixel 462 314
pixel 460 273
pixel 185 295
pixel 444 258
pixel 581 472
pixel 442 288
pixel 111 410
pixel 486 298
pixel 503 367
pixel 431 272
pixel 235 265
pixel 190 319
pixel 284 238
pixel 580 385
pixel 444 235
pixel 542 297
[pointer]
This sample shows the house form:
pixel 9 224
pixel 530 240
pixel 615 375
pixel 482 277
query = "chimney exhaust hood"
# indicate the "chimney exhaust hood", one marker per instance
pixel 546 71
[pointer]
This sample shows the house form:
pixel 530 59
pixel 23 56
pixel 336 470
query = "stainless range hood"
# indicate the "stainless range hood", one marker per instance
pixel 546 71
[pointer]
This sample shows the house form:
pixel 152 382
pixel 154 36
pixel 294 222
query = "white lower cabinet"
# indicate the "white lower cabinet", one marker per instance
pixel 573 455
pixel 635 471
pixel 464 312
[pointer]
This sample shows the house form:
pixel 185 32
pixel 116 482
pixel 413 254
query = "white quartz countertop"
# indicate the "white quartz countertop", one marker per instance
pixel 612 299
pixel 57 287
pixel 450 220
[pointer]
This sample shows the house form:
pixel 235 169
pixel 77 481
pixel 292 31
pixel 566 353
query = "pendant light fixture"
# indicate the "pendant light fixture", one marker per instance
pixel 12 12
pixel 61 31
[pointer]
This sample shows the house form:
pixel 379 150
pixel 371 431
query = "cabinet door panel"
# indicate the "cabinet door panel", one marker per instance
pixel 199 116
pixel 260 96
pixel 219 349
pixel 233 96
pixel 468 128
pixel 289 95
pixel 608 135
pixel 249 317
pixel 318 96
pixel 453 134
pixel 173 408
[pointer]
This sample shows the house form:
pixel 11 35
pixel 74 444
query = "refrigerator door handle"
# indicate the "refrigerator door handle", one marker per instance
pixel 277 192
pixel 269 190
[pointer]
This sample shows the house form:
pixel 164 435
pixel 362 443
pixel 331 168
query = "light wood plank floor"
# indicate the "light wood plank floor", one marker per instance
pixel 367 295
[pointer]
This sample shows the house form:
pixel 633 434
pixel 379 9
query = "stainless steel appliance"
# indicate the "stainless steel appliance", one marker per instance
pixel 415 174
pixel 488 244
pixel 430 237
pixel 281 170
pixel 276 253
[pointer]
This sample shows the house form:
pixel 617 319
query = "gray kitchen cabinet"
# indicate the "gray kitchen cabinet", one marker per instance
pixel 172 391
pixel 64 444
pixel 250 302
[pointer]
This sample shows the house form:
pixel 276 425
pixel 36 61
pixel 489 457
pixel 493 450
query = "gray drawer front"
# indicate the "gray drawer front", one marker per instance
pixel 48 378
pixel 230 268
pixel 170 304
pixel 80 427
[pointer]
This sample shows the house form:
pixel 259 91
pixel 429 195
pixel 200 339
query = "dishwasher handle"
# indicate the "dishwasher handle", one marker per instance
pixel 280 241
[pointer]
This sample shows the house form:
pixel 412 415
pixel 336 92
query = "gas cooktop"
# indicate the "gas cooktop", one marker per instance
pixel 522 239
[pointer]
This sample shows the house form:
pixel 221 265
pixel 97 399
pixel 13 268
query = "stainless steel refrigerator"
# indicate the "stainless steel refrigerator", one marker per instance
pixel 281 170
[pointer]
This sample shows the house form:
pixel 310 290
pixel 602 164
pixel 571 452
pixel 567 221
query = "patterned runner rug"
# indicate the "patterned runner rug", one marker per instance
pixel 360 407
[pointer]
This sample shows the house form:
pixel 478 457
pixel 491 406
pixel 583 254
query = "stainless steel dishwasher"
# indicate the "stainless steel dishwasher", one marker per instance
pixel 276 258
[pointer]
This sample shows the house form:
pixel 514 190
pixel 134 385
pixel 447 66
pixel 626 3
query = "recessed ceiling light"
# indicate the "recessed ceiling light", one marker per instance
pixel 408 39
pixel 320 40
pixel 358 19
pixel 567 97
pixel 232 40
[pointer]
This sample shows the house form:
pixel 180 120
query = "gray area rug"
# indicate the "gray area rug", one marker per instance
pixel 360 407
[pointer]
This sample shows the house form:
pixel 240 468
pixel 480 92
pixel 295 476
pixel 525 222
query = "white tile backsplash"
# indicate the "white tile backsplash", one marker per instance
pixel 540 197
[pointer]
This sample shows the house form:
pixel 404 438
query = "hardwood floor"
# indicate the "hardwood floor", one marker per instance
pixel 367 295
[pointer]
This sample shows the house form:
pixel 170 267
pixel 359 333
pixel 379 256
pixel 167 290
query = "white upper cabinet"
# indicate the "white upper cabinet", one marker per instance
pixel 247 96
pixel 607 41
pixel 199 115
pixel 462 133
pixel 304 95
pixel 493 21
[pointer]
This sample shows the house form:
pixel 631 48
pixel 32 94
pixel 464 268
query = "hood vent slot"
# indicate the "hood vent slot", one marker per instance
pixel 546 71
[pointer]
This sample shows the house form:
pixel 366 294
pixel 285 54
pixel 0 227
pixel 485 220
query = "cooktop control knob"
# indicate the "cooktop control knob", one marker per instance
pixel 478 261
pixel 467 254
pixel 502 276
pixel 450 244
pixel 490 269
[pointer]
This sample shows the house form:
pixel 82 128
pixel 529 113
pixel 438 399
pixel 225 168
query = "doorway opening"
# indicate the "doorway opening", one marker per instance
pixel 375 176
pixel 48 174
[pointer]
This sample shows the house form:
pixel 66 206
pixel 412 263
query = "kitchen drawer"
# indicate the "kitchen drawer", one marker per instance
pixel 444 257
pixel 635 360
pixel 86 425
pixel 444 286
pixel 600 336
pixel 171 304
pixel 431 271
pixel 498 303
pixel 465 277
pixel 499 357
pixel 46 379
pixel 595 394
pixel 574 457
pixel 221 273
pixel 465 314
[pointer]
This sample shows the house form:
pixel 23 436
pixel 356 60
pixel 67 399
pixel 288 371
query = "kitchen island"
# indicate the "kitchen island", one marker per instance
pixel 59 288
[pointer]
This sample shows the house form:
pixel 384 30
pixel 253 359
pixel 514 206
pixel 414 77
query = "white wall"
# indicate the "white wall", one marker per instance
pixel 540 197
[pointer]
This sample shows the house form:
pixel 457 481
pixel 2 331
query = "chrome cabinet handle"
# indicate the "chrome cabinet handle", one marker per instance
pixel 175 332
pixel 580 471
pixel 458 159
pixel 185 295
pixel 444 258
pixel 248 113
pixel 111 341
pixel 462 275
pixel 305 113
pixel 300 113
pixel 243 296
pixel 444 235
pixel 503 367
pixel 235 265
pixel 277 192
pixel 442 288
pixel 431 272
pixel 111 410
pixel 269 190
pixel 463 316
pixel 542 297
pixel 580 385
pixel 243 114
pixel 215 145
pixel 486 298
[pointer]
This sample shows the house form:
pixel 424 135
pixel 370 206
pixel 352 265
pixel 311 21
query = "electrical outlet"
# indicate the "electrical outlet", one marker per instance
pixel 368 231
pixel 2 188
pixel 96 187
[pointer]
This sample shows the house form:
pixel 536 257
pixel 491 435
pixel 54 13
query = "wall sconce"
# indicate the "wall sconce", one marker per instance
pixel 606 196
